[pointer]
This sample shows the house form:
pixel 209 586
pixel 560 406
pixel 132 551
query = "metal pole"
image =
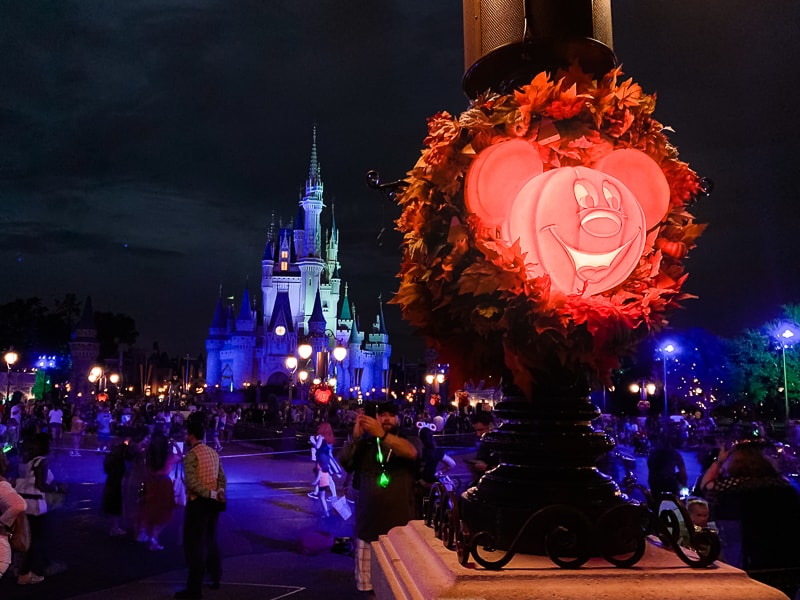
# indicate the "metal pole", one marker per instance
pixel 785 385
pixel 666 397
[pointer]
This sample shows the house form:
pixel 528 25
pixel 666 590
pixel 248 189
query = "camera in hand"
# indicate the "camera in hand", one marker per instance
pixel 371 409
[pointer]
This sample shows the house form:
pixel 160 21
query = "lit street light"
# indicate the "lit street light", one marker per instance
pixel 291 366
pixel 664 350
pixel 784 335
pixel 100 378
pixel 10 357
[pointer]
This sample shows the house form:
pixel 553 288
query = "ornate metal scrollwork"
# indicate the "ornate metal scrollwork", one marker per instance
pixel 389 189
pixel 440 511
pixel 570 538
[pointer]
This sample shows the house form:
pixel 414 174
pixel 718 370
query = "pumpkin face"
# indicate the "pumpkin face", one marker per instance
pixel 583 227
pixel 586 227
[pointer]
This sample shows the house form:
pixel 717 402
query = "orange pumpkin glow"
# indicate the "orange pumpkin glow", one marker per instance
pixel 585 226
pixel 323 395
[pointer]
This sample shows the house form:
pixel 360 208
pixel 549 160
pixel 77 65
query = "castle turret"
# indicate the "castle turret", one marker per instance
pixel 84 348
pixel 312 204
pixel 215 341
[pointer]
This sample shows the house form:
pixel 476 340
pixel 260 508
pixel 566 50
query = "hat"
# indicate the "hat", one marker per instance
pixel 388 406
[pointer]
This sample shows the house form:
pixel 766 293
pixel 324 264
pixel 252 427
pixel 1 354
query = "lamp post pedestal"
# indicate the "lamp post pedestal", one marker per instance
pixel 411 562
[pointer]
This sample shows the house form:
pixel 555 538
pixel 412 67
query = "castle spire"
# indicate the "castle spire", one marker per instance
pixel 220 318
pixel 314 181
pixel 245 309
pixel 345 314
pixel 381 319
pixel 334 231
pixel 316 322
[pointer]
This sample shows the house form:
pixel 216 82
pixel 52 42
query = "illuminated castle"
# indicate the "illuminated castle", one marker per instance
pixel 301 300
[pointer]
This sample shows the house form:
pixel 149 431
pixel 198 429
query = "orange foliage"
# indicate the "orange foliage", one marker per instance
pixel 469 292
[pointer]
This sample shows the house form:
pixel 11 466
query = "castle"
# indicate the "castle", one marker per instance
pixel 301 290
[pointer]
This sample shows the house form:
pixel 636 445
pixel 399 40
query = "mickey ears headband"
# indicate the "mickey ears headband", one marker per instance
pixel 431 426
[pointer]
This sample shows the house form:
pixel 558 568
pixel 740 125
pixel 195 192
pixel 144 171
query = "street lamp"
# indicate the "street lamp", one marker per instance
pixel 784 335
pixel 666 349
pixel 339 354
pixel 322 367
pixel 302 376
pixel 291 365
pixel 100 378
pixel 305 350
pixel 10 357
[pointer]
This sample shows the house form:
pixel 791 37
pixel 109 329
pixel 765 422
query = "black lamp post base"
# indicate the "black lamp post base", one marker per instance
pixel 547 496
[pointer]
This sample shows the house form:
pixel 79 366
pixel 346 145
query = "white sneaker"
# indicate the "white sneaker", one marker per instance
pixel 29 578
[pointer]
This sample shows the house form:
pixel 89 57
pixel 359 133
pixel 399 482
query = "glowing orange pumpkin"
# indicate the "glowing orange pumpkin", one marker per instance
pixel 584 226
pixel 323 395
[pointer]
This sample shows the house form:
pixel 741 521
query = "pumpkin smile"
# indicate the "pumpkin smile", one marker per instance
pixel 589 266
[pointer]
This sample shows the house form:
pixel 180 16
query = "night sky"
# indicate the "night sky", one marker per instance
pixel 145 144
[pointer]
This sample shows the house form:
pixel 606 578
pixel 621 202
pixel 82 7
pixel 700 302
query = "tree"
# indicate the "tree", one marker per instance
pixel 759 356
pixel 755 354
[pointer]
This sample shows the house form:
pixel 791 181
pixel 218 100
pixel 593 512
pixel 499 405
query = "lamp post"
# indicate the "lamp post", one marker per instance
pixel 666 349
pixel 321 366
pixel 100 378
pixel 339 354
pixel 784 335
pixel 644 389
pixel 302 376
pixel 11 358
pixel 291 365
pixel 434 381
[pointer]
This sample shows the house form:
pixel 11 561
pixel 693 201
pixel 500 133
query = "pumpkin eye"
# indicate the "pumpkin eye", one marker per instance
pixel 611 194
pixel 582 194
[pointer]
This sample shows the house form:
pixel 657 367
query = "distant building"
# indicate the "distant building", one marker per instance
pixel 302 299
pixel 84 349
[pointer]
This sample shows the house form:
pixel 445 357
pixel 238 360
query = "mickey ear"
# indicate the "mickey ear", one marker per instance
pixel 642 176
pixel 496 176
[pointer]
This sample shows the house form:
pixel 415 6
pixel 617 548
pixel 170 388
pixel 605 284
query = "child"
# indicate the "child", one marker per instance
pixel 698 512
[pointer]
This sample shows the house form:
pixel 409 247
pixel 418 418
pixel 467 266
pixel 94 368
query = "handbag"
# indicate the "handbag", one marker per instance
pixel 179 486
pixel 20 538
pixel 341 506
pixel 35 501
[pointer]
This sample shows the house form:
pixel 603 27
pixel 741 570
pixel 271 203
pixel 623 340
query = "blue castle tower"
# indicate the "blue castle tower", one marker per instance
pixel 302 299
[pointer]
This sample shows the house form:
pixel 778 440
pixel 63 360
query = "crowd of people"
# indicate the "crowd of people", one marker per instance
pixel 387 465
pixel 152 462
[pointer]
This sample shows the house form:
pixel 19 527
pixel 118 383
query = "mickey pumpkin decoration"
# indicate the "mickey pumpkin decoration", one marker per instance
pixel 585 226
